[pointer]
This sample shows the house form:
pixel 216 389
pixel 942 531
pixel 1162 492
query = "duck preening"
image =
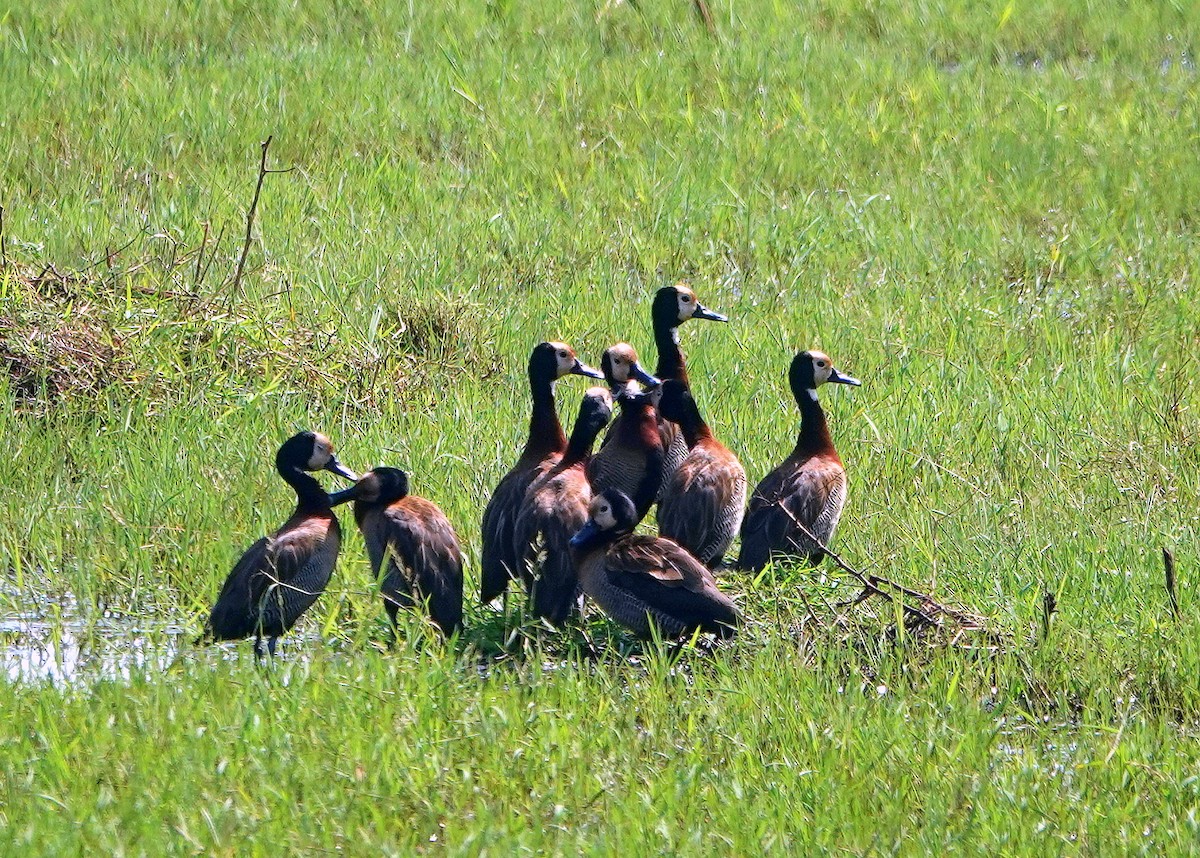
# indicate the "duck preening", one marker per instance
pixel 674 305
pixel 545 443
pixel 702 502
pixel 631 459
pixel 808 488
pixel 553 510
pixel 280 576
pixel 412 544
pixel 646 583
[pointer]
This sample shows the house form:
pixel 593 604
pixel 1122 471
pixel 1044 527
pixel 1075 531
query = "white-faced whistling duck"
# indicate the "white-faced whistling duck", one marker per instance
pixel 702 504
pixel 632 458
pixel 620 366
pixel 545 443
pixel 278 577
pixel 809 487
pixel 674 305
pixel 646 583
pixel 554 509
pixel 412 543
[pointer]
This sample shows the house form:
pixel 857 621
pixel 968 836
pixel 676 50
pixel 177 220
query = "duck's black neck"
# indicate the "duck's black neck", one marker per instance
pixel 814 430
pixel 583 438
pixel 692 423
pixel 545 430
pixel 671 363
pixel 309 494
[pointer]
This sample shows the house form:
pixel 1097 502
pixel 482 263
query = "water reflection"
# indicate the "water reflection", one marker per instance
pixel 50 641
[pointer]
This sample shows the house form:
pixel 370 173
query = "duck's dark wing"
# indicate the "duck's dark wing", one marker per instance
pixel 235 614
pixel 812 494
pixel 423 559
pixel 498 561
pixel 670 582
pixel 275 581
pixel 552 513
pixel 702 507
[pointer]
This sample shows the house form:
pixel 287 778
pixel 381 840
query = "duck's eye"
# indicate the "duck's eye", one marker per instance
pixel 821 364
pixel 562 354
pixel 603 509
pixel 687 299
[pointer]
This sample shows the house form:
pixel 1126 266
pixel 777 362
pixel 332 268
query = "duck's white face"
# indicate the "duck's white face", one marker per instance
pixel 687 302
pixel 822 367
pixel 565 356
pixel 621 358
pixel 601 512
pixel 321 454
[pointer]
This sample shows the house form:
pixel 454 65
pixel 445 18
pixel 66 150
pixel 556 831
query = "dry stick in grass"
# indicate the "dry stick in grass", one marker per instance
pixel 870 585
pixel 1169 571
pixel 3 243
pixel 706 15
pixel 263 172
pixel 200 257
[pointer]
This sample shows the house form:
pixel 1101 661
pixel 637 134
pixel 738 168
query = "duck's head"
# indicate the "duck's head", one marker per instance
pixel 553 360
pixel 596 408
pixel 620 365
pixel 811 369
pixel 378 486
pixel 635 399
pixel 310 451
pixel 674 305
pixel 610 515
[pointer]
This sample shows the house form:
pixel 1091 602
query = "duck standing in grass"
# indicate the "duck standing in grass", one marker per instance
pixel 554 509
pixel 808 488
pixel 280 576
pixel 631 460
pixel 674 305
pixel 702 503
pixel 545 443
pixel 646 583
pixel 412 544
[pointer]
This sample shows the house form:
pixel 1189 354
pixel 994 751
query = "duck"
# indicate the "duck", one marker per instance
pixel 554 508
pixel 674 305
pixel 809 487
pixel 621 369
pixel 548 362
pixel 280 576
pixel 649 584
pixel 632 459
pixel 702 505
pixel 412 543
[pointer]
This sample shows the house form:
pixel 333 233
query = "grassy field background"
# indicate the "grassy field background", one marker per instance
pixel 986 211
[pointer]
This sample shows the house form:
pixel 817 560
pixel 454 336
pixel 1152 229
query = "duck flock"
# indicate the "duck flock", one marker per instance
pixel 562 519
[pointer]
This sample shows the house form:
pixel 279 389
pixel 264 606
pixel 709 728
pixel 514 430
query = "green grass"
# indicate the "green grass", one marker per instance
pixel 985 211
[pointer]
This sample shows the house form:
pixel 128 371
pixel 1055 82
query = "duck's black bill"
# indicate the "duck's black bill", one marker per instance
pixel 336 467
pixel 838 378
pixel 644 377
pixel 703 312
pixel 583 369
pixel 584 535
pixel 338 498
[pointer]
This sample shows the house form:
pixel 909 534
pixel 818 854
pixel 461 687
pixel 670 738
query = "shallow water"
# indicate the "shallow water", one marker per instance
pixel 50 640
